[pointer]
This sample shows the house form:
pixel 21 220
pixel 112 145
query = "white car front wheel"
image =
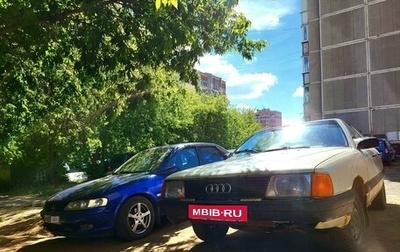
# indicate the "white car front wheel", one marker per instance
pixel 352 237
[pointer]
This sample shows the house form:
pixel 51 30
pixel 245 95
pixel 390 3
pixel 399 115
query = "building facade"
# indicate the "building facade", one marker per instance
pixel 269 118
pixel 212 84
pixel 351 58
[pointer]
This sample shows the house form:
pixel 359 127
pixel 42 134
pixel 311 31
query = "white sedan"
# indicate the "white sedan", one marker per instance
pixel 319 176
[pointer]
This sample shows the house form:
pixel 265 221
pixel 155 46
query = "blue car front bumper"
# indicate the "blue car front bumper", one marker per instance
pixel 92 222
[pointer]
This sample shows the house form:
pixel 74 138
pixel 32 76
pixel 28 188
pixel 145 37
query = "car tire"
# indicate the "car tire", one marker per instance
pixel 353 237
pixel 210 232
pixel 135 219
pixel 379 203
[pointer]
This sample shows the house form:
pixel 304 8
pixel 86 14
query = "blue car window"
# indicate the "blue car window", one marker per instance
pixel 210 154
pixel 184 159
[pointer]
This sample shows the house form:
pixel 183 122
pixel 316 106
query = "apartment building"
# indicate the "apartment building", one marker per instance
pixel 269 118
pixel 351 58
pixel 212 84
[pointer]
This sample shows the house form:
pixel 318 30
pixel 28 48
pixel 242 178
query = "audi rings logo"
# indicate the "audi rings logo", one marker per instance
pixel 223 188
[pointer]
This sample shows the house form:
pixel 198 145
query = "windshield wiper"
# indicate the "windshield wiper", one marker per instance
pixel 288 148
pixel 247 151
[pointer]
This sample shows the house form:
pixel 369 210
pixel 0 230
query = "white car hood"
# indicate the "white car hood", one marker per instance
pixel 290 160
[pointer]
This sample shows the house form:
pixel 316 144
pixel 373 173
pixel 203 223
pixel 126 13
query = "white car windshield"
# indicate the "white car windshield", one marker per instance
pixel 321 134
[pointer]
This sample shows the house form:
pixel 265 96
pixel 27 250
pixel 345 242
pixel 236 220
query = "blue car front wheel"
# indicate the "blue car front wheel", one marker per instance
pixel 136 219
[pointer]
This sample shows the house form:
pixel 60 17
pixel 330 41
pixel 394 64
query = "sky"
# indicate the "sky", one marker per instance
pixel 273 79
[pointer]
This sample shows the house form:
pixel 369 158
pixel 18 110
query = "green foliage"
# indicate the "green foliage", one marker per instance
pixel 153 116
pixel 241 124
pixel 82 77
pixel 170 111
pixel 166 2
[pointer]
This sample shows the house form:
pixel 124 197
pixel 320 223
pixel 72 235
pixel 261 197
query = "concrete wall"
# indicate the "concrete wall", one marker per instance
pixel 355 63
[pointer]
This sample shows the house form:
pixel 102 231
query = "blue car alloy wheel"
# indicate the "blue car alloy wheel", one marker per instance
pixel 135 219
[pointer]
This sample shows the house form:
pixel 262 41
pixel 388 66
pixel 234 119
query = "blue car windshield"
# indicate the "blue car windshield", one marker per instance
pixel 145 161
pixel 321 134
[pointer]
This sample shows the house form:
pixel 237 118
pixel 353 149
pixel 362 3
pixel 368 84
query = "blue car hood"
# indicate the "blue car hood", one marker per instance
pixel 99 187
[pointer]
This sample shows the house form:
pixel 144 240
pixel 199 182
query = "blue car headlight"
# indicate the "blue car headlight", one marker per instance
pixel 174 190
pixel 86 204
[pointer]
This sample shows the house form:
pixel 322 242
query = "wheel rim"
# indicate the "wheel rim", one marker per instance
pixel 139 218
pixel 356 226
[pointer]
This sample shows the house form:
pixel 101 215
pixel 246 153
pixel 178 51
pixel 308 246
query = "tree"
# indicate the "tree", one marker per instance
pixel 67 65
pixel 166 2
pixel 175 3
pixel 159 115
pixel 170 111
pixel 241 124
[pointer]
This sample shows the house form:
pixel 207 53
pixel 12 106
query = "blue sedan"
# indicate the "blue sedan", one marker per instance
pixel 124 203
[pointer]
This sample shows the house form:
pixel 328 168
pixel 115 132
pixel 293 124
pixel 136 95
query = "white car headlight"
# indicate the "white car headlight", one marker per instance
pixel 174 190
pixel 86 204
pixel 289 185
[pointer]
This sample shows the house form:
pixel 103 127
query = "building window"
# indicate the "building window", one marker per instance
pixel 305 48
pixel 304 5
pixel 306 94
pixel 204 83
pixel 304 18
pixel 306 67
pixel 305 33
pixel 216 87
pixel 306 78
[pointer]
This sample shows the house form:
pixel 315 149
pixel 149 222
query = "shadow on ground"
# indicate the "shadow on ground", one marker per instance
pixel 383 237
